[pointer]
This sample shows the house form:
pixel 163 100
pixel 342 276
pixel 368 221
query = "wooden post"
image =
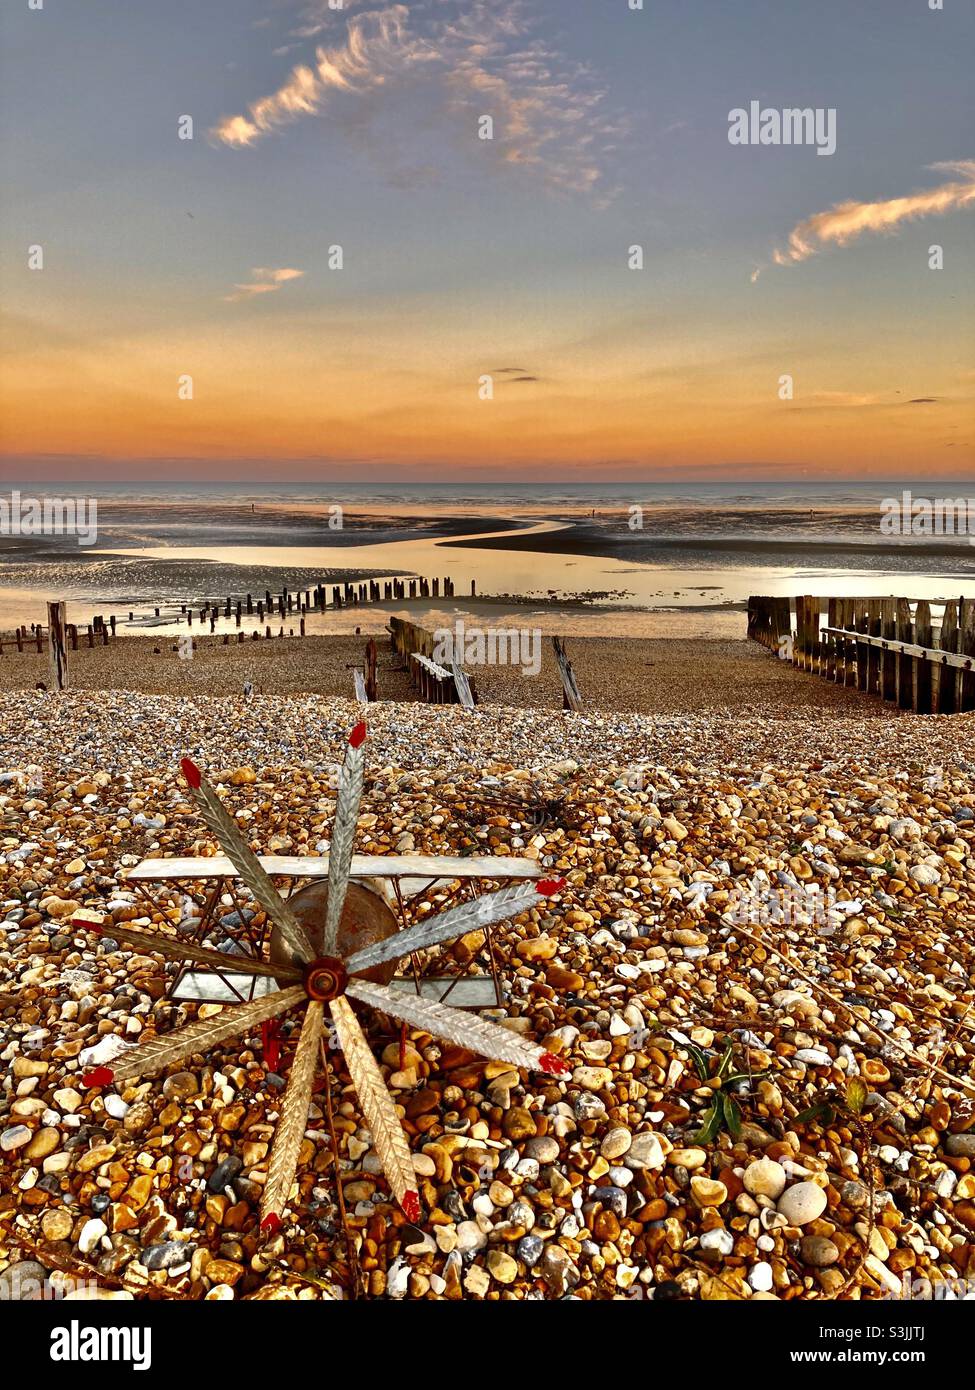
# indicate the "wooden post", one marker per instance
pixel 58 654
pixel 905 673
pixel 828 667
pixel 781 624
pixel 924 637
pixel 947 678
pixel 818 644
pixel 371 669
pixel 873 653
pixel 852 608
pixel 888 664
pixel 839 664
pixel 965 687
pixel 571 699
pixel 863 649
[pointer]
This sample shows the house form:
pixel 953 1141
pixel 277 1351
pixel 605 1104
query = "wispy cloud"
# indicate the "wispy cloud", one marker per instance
pixel 547 111
pixel 847 221
pixel 377 46
pixel 264 280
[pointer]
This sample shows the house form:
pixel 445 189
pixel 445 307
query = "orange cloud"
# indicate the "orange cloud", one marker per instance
pixel 265 280
pixel 846 221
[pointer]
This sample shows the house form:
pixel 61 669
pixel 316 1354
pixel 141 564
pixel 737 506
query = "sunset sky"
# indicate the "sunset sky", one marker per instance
pixel 357 127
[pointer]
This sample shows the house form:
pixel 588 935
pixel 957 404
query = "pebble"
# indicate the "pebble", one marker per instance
pixel 719 1239
pixel 818 1251
pixel 543 1148
pixel 503 1268
pixel 14 1138
pixel 616 1143
pixel 22 1280
pixel 708 1192
pixel 802 1203
pixel 645 1152
pixel 593 1185
pixel 91 1234
pixel 765 1178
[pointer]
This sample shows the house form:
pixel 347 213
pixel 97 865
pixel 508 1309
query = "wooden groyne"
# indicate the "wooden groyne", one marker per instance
pixel 432 682
pixel 37 638
pixel 888 647
pixel 267 609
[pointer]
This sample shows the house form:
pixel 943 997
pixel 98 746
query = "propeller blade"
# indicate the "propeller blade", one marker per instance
pixel 293 1120
pixel 469 916
pixel 343 835
pixel 157 1053
pixel 464 1029
pixel 378 1108
pixel 176 949
pixel 245 861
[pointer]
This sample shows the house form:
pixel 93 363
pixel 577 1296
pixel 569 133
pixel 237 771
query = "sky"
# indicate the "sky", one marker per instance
pixel 338 279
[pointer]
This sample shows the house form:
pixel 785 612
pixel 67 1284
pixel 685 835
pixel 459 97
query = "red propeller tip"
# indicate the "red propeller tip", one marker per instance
pixel 271 1223
pixel 549 886
pixel 83 924
pixel 358 735
pixel 99 1076
pixel 411 1206
pixel 191 772
pixel 553 1065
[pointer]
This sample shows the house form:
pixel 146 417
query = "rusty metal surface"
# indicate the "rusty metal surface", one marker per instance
pixel 366 918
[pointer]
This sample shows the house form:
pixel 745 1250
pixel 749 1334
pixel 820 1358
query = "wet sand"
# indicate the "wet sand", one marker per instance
pixel 610 537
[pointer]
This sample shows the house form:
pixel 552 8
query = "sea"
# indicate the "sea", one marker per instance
pixel 617 558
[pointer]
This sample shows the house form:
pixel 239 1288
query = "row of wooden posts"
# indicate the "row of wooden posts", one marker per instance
pixel 98 633
pixel 887 647
pixel 316 600
pixel 300 602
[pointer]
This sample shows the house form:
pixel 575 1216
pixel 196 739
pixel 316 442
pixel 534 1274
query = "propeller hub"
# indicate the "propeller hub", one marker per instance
pixel 325 978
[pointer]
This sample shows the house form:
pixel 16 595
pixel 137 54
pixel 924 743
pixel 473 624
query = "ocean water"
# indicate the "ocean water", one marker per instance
pixel 605 555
